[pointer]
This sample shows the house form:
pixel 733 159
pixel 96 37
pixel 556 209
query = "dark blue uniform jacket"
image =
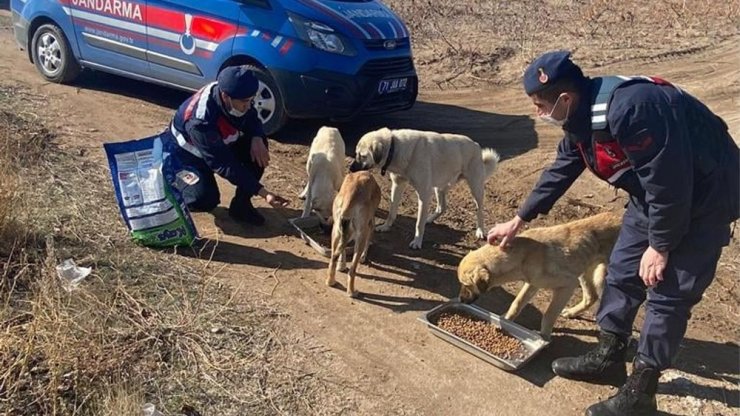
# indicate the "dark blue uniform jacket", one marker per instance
pixel 667 150
pixel 203 127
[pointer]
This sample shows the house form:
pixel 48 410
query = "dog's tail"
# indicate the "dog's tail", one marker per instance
pixel 490 160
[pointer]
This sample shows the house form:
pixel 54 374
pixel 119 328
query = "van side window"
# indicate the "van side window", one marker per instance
pixel 265 4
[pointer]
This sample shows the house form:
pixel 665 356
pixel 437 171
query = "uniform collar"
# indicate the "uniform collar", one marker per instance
pixel 219 102
pixel 579 122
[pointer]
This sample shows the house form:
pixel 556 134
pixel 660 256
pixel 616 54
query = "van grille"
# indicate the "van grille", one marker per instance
pixel 379 44
pixel 388 66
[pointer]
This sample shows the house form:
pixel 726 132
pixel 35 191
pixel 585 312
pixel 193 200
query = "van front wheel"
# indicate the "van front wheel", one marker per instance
pixel 269 102
pixel 53 56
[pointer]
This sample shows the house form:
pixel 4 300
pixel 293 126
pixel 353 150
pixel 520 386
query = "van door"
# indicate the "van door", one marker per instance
pixel 111 33
pixel 189 40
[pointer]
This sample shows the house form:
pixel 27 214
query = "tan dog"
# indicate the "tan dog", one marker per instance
pixel 557 258
pixel 325 169
pixel 354 218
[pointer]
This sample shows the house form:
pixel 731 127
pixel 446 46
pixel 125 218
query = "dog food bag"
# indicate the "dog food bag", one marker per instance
pixel 153 210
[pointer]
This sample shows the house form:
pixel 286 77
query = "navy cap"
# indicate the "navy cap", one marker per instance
pixel 549 68
pixel 238 82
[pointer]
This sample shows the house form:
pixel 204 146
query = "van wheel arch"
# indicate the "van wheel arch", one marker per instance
pixel 32 28
pixel 51 53
pixel 241 60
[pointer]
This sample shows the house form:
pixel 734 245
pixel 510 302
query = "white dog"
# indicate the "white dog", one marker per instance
pixel 432 163
pixel 325 168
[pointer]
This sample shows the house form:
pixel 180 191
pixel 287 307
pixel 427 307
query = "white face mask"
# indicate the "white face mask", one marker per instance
pixel 548 118
pixel 234 112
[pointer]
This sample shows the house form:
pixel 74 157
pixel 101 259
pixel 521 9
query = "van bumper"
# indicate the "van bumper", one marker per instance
pixel 340 97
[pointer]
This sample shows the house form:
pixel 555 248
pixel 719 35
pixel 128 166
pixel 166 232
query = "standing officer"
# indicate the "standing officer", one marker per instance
pixel 217 130
pixel 679 165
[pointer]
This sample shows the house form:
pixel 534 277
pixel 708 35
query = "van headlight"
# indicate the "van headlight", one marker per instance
pixel 321 36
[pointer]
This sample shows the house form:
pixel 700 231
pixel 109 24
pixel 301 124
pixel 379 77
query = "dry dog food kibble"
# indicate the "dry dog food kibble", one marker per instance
pixel 482 334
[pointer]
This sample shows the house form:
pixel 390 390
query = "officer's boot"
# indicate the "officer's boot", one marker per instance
pixel 635 398
pixel 242 210
pixel 603 363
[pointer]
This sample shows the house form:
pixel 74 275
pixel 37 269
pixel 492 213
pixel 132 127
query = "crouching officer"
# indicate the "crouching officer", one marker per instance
pixel 679 165
pixel 217 130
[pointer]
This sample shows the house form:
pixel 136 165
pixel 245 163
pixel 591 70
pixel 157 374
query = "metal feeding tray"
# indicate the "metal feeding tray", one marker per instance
pixel 311 225
pixel 533 342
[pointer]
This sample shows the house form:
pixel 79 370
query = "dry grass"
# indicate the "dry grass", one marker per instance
pixel 461 44
pixel 8 196
pixel 145 326
pixel 122 399
pixel 16 151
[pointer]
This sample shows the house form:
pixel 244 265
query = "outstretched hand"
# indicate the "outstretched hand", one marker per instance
pixel 276 201
pixel 503 233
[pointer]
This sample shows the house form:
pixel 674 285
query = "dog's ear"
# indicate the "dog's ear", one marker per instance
pixel 381 144
pixel 378 151
pixel 482 277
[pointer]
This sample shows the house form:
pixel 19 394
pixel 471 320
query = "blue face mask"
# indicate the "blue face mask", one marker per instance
pixel 548 118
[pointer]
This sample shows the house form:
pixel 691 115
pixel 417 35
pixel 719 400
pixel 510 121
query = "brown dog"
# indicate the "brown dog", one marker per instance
pixel 354 218
pixel 556 258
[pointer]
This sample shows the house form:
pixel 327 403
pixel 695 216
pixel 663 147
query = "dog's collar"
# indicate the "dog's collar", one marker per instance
pixel 389 159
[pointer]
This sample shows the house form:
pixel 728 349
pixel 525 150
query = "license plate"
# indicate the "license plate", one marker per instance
pixel 389 86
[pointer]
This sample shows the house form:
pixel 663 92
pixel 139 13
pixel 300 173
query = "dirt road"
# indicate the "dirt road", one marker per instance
pixel 383 358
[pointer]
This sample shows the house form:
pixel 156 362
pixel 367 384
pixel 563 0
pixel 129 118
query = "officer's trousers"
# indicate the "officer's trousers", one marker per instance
pixel 204 195
pixel 690 270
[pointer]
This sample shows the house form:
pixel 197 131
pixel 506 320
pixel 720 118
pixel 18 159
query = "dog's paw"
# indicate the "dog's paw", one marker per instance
pixel 415 244
pixel 383 228
pixel 353 294
pixel 479 234
pixel 331 282
pixel 342 267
